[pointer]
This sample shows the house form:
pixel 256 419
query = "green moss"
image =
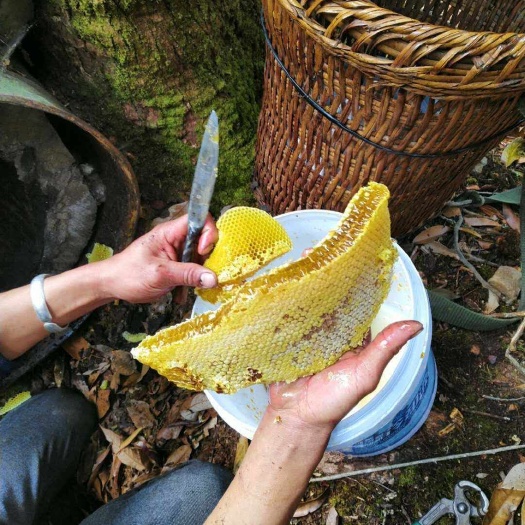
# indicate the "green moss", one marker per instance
pixel 349 498
pixel 407 477
pixel 161 68
pixel 485 271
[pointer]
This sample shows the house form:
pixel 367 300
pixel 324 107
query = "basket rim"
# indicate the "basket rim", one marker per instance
pixel 403 19
pixel 433 59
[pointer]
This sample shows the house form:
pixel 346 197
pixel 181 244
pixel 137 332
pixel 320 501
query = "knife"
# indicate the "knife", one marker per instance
pixel 202 186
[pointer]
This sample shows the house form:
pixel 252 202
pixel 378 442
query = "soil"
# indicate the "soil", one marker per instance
pixel 475 378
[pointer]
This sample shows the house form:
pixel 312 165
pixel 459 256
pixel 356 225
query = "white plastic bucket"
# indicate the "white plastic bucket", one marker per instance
pixel 399 406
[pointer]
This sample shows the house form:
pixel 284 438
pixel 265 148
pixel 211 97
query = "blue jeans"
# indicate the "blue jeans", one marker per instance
pixel 40 445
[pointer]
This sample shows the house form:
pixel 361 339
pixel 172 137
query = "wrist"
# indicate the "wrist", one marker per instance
pixel 103 280
pixel 297 427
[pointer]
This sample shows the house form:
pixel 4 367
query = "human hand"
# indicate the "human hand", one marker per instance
pixel 323 399
pixel 149 267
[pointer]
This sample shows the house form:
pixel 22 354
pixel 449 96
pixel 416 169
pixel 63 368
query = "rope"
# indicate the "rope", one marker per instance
pixel 358 136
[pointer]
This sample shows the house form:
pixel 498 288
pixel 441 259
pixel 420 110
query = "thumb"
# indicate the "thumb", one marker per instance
pixel 191 274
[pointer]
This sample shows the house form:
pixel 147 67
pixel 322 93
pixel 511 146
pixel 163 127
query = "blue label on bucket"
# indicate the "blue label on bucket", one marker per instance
pixel 406 422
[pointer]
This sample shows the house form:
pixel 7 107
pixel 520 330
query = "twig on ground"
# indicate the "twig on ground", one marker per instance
pixel 485 414
pixel 508 315
pixel 463 259
pixel 481 260
pixel 503 399
pixel 512 347
pixel 418 462
pixel 405 513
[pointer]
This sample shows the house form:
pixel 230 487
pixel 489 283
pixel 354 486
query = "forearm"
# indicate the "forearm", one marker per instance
pixel 274 473
pixel 68 296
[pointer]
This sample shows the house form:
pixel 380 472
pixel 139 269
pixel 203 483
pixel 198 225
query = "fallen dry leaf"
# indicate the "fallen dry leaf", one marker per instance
pixel 492 212
pixel 484 245
pixel 481 221
pixel 123 363
pixel 507 497
pixel 178 456
pixel 113 439
pixel 114 488
pixel 139 412
pixel 115 382
pixel 128 456
pixel 512 219
pixel 452 211
pixel 168 432
pixel 129 440
pixel 74 346
pixel 440 249
pixel 97 465
pixel 240 452
pixel 515 151
pixel 332 517
pixel 307 507
pixel 193 405
pixel 470 231
pixel 132 458
pixel 103 403
pixel 98 488
pixel 430 234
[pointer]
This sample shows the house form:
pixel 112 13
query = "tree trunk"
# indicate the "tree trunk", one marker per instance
pixel 148 73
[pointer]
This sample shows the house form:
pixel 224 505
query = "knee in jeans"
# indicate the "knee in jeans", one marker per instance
pixel 212 478
pixel 68 405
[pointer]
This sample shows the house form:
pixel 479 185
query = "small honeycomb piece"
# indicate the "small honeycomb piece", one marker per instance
pixel 248 240
pixel 293 321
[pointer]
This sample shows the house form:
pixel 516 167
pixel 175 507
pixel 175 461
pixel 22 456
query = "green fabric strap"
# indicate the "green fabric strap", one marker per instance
pixel 448 311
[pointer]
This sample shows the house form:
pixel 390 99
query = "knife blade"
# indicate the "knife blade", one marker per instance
pixel 202 185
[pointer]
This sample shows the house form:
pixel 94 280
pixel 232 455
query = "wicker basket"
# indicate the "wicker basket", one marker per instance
pixel 357 92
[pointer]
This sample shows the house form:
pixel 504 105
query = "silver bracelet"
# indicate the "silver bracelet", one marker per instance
pixel 38 300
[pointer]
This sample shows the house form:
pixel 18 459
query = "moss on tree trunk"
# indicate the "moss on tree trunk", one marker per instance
pixel 149 72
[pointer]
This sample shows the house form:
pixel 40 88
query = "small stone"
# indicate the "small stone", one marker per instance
pixel 492 359
pixel 507 280
pixel 475 350
pixel 478 168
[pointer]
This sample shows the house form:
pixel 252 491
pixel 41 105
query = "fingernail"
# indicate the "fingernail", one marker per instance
pixel 207 280
pixel 208 249
pixel 413 327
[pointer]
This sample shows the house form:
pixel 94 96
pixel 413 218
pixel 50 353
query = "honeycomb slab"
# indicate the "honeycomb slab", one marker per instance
pixel 248 240
pixel 293 321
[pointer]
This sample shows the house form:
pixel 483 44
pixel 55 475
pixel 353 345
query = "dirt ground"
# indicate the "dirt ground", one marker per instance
pixel 167 425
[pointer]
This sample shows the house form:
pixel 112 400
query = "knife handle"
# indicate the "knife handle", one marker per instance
pixel 189 245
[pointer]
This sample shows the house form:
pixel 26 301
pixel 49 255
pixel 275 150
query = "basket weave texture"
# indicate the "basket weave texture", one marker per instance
pixel 424 88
